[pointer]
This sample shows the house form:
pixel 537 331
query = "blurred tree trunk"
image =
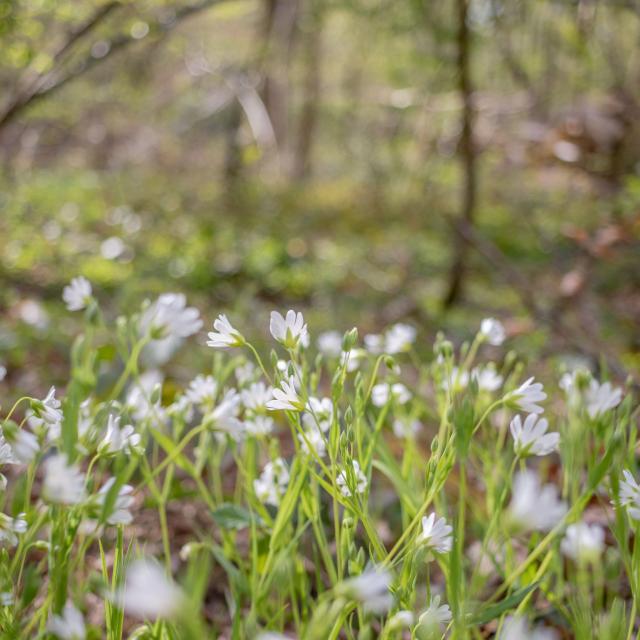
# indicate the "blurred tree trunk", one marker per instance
pixel 467 153
pixel 233 150
pixel 279 29
pixel 312 56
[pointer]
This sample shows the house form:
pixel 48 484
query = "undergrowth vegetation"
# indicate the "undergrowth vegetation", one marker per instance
pixel 340 486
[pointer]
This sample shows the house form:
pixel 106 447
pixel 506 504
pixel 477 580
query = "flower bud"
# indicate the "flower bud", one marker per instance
pixel 42 545
pixel 348 416
pixel 156 393
pixel 510 360
pixel 401 620
pixel 444 349
pixel 92 313
pixel 390 363
pixel 357 562
pixel 350 339
pixel 121 325
pixel 583 379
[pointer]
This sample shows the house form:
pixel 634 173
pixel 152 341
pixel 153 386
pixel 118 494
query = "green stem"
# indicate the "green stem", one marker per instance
pixel 131 367
pixel 15 406
pixel 256 355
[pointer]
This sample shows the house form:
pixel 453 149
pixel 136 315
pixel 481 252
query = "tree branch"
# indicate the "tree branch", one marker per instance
pixel 30 86
pixel 47 84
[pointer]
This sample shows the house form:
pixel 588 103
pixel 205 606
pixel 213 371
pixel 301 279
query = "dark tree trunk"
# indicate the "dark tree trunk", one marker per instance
pixel 233 150
pixel 301 162
pixel 467 153
pixel 279 31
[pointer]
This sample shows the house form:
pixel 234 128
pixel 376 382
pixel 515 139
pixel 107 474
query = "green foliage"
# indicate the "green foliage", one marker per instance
pixel 322 521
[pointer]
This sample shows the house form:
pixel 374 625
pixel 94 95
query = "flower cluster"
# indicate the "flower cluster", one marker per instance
pixel 272 483
pixel 341 491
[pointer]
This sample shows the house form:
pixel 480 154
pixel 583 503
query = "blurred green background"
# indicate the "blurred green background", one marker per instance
pixel 364 161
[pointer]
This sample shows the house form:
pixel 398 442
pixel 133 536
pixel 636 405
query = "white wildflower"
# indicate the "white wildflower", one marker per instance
pixel 245 373
pixel 313 440
pixel 259 425
pixel 487 378
pixel 25 446
pixel 492 331
pixel 3 372
pixel 138 401
pixel 403 619
pixel 371 589
pixel 535 507
pixel 224 335
pixel 224 416
pixel 568 381
pixel 350 480
pixel 181 408
pixel 63 482
pixel 256 396
pixel 630 494
pixel 374 343
pixel 10 528
pixel 574 383
pixel 330 344
pixel 531 438
pixel 286 397
pixel 202 390
pixel 320 413
pixel 383 392
pixel 526 396
pixel 352 358
pixel 583 541
pixel 48 410
pixel 120 439
pixel 148 592
pixel 7 456
pixel 85 421
pixel 289 368
pixel 290 330
pixel 69 625
pixel 399 338
pixel 169 316
pixel 435 615
pixel 601 398
pixel 77 294
pixel 6 451
pixel 516 628
pixel 34 314
pixel 52 431
pixel 436 534
pixel 272 483
pixel 404 428
pixel 119 513
pixel 457 380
